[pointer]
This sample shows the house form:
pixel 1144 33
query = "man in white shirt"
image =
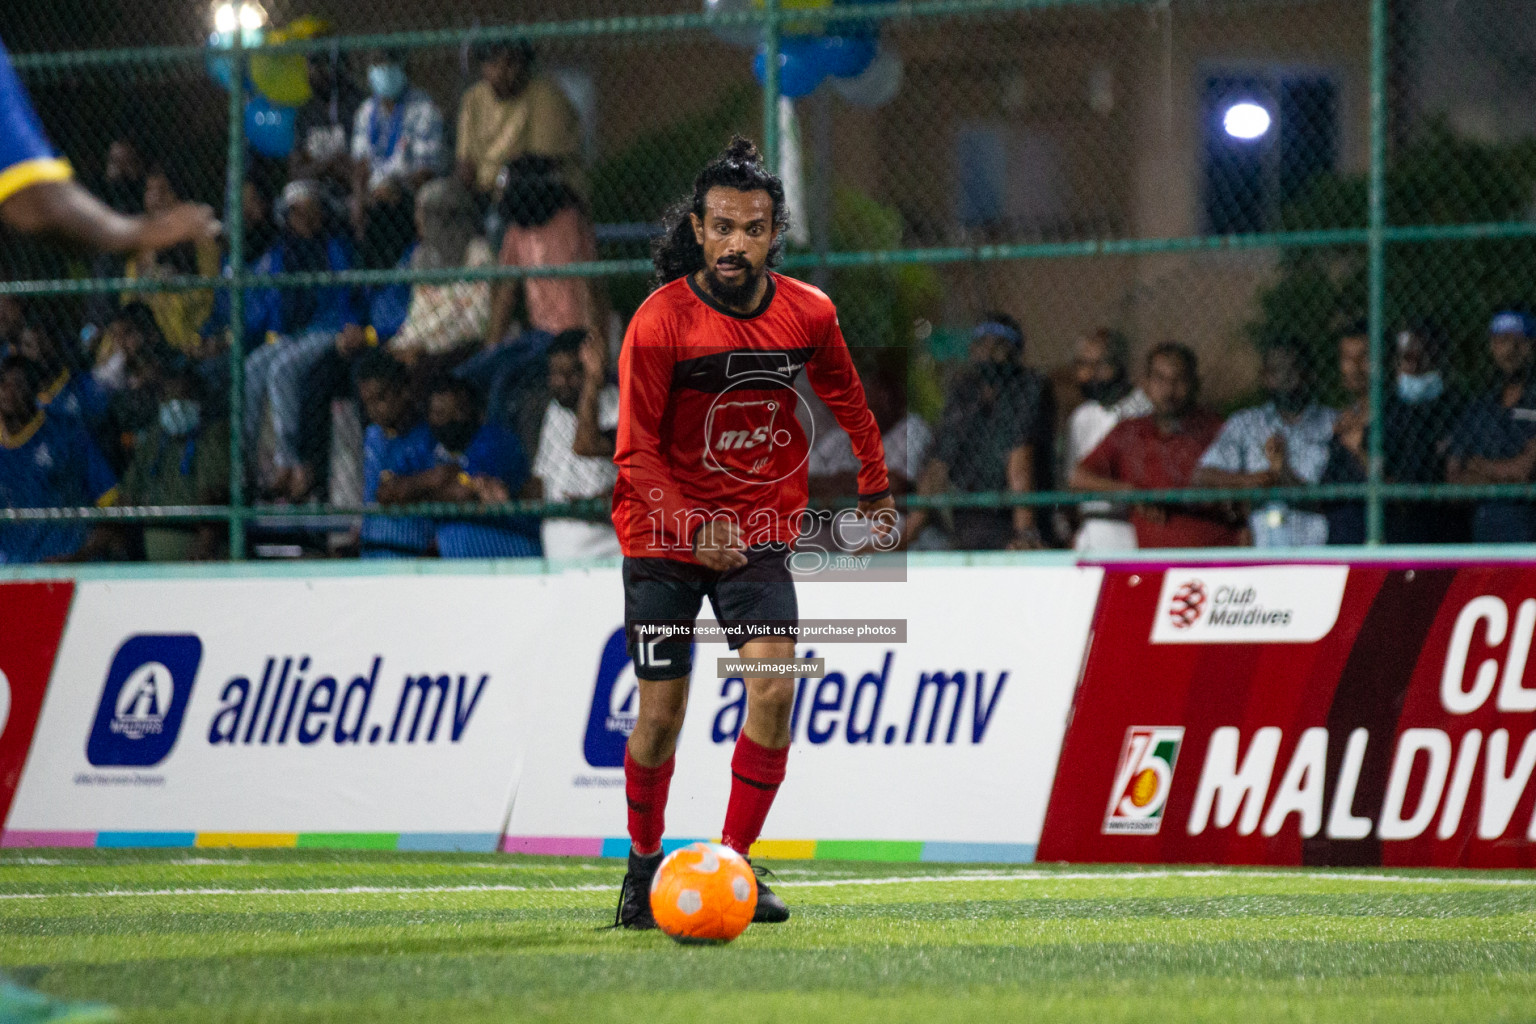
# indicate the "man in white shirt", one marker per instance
pixel 1109 396
pixel 1282 443
pixel 575 459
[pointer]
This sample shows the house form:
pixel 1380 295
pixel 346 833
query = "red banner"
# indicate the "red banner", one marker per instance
pixel 1304 715
pixel 31 622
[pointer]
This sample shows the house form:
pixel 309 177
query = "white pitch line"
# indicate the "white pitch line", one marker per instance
pixel 824 883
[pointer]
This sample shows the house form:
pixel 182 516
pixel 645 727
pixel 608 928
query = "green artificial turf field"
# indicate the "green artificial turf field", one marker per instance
pixel 308 936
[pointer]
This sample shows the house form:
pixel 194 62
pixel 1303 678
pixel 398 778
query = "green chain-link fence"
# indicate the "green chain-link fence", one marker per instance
pixel 1326 201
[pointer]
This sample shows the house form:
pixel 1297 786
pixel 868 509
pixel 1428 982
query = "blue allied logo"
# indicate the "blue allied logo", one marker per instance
pixel 144 699
pixel 615 703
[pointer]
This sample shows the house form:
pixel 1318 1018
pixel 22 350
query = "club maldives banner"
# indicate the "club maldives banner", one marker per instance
pixel 33 617
pixel 938 748
pixel 1304 715
pixel 375 712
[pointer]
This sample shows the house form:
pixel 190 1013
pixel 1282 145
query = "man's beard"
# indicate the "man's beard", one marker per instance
pixel 733 295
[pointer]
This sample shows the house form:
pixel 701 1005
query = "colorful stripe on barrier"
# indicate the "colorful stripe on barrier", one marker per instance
pixel 792 849
pixel 468 842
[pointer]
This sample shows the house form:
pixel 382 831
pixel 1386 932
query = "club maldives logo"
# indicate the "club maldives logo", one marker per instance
pixel 1187 604
pixel 145 696
pixel 1286 604
pixel 1143 780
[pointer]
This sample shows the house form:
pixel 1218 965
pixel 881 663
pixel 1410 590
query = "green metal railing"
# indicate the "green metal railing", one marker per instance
pixel 1376 236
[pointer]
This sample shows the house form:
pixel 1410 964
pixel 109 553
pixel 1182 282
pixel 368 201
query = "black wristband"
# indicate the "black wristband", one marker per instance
pixel 876 496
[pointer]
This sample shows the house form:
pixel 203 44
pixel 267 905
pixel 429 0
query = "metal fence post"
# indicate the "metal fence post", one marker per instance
pixel 771 84
pixel 1377 268
pixel 234 211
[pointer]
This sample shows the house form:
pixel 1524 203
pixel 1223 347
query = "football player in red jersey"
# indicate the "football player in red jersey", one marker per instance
pixel 712 487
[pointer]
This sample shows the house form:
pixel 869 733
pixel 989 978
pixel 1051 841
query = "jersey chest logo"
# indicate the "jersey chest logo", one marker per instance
pixel 741 437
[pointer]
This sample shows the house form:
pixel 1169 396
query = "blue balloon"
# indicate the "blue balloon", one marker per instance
pixel 846 56
pixel 800 67
pixel 268 128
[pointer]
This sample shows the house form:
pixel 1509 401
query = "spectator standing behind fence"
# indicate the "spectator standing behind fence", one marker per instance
pixel 1101 369
pixel 444 320
pixel 397 146
pixel 180 314
pixel 520 148
pixel 1418 414
pixel 1282 443
pixel 1160 452
pixel 48 462
pixel 1494 442
pixel 398 443
pixel 300 325
pixel 181 459
pixel 995 434
pixel 575 457
pixel 322 148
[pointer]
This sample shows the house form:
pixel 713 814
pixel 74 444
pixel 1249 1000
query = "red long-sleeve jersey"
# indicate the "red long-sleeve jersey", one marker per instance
pixel 707 424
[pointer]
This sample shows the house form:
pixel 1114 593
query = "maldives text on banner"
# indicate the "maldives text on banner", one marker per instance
pixel 270 711
pixel 1219 722
pixel 941 748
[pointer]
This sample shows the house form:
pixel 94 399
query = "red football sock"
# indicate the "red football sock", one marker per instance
pixel 756 773
pixel 646 791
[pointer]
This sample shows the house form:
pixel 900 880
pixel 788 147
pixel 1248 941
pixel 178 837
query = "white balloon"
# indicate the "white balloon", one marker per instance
pixel 735 35
pixel 879 83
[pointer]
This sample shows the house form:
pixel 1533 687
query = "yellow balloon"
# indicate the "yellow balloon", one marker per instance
pixel 283 80
pixel 801 28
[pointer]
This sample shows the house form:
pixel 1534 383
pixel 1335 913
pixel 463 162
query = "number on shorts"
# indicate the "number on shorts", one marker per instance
pixel 646 651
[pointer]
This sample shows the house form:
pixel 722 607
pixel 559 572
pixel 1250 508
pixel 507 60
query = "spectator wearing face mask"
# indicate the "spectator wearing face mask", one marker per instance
pixel 1282 443
pixel 398 145
pixel 996 433
pixel 1100 369
pixel 473 462
pixel 182 459
pixel 1418 413
pixel 1494 441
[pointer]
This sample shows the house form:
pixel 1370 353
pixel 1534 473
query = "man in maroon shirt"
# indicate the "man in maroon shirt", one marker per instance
pixel 711 492
pixel 1160 452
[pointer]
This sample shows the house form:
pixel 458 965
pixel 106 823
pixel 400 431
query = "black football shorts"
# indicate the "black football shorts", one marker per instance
pixel 756 600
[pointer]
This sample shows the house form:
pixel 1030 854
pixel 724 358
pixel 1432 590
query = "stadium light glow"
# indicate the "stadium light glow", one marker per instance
pixel 251 16
pixel 1246 120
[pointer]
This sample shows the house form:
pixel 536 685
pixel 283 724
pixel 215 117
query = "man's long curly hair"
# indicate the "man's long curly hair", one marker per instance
pixel 677 253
